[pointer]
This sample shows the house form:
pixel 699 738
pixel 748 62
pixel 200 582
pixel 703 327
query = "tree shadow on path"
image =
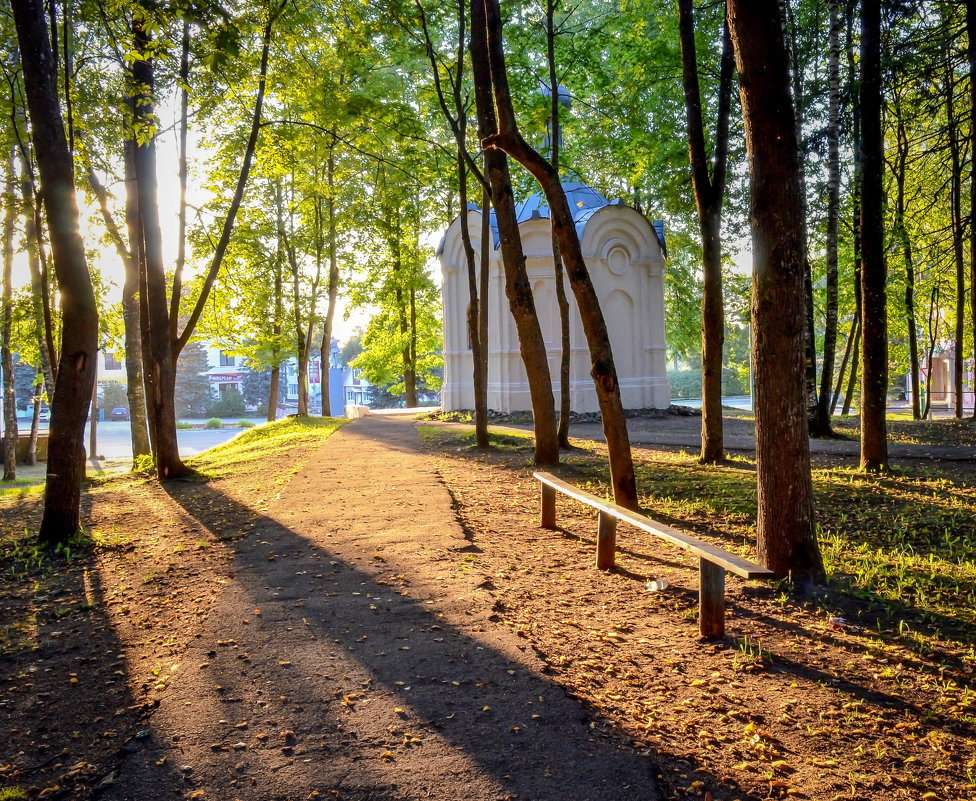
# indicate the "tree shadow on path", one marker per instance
pixel 384 680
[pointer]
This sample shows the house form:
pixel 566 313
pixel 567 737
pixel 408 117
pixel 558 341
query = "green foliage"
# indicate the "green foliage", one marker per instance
pixel 192 384
pixel 214 422
pixel 256 385
pixel 685 384
pixel 113 397
pixel 245 423
pixel 25 378
pixel 230 404
pixel 352 348
pixel 145 463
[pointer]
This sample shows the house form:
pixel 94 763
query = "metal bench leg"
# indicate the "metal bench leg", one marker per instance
pixel 548 506
pixel 606 541
pixel 711 601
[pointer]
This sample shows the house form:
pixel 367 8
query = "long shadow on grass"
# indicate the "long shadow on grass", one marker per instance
pixel 70 713
pixel 893 703
pixel 362 645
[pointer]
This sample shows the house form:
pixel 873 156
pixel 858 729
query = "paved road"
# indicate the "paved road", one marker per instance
pixel 114 443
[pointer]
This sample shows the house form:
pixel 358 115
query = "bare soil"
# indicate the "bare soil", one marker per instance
pixel 378 618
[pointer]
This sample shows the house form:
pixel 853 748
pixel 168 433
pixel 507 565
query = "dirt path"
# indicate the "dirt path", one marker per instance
pixel 351 654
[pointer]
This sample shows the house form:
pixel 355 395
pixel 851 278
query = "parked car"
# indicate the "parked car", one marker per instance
pixel 45 415
pixel 118 413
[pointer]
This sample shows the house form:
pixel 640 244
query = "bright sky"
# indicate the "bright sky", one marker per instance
pixel 104 258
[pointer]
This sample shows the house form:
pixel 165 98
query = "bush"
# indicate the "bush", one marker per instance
pixel 685 384
pixel 262 410
pixel 182 425
pixel 230 404
pixel 245 424
pixel 113 397
pixel 734 382
pixel 144 463
pixel 214 422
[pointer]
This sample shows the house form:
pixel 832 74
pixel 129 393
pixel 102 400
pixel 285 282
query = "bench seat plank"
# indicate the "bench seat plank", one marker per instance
pixel 711 553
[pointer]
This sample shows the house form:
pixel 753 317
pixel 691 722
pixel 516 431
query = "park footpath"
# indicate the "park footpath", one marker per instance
pixel 350 654
pixel 660 433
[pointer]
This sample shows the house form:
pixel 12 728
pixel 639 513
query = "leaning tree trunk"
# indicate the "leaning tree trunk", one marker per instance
pixel 874 324
pixel 852 378
pixel 160 377
pixel 6 353
pixel 709 195
pixel 848 350
pixel 787 540
pixel 76 370
pixel 602 369
pixel 532 346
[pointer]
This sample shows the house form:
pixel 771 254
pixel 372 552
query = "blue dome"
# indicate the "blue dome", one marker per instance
pixel 584 202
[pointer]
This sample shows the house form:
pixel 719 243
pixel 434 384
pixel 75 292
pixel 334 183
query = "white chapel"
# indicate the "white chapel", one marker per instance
pixel 625 257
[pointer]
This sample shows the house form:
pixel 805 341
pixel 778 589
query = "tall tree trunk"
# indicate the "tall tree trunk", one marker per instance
pixel 6 352
pixel 709 196
pixel 135 389
pixel 562 302
pixel 135 386
pixel 474 310
pixel 160 372
pixel 44 335
pixel 411 378
pixel 874 324
pixel 810 346
pixel 37 261
pixel 971 34
pixel 177 291
pixel 957 237
pixel 532 346
pixel 277 322
pixel 826 402
pixel 901 231
pixel 76 373
pixel 93 420
pixel 602 369
pixel 66 26
pixel 483 275
pixel 477 302
pixel 325 353
pixel 300 339
pixel 273 393
pixel 933 333
pixel 787 540
pixel 35 425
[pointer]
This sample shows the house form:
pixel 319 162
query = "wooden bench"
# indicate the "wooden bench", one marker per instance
pixel 713 561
